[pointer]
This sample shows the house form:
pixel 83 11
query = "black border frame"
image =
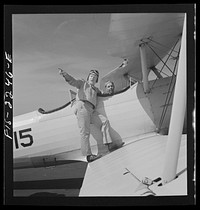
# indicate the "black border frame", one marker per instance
pixel 8 198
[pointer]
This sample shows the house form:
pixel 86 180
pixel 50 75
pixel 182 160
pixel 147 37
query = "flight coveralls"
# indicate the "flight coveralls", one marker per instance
pixel 86 99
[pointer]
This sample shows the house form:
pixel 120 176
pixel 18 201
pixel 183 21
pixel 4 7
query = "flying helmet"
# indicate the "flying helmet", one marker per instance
pixel 94 72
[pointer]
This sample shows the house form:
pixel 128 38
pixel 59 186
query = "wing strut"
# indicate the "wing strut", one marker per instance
pixel 144 68
pixel 155 70
pixel 177 116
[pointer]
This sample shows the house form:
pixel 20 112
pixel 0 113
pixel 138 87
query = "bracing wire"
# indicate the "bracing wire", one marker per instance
pixel 163 67
pixel 164 63
pixel 157 48
pixel 160 58
pixel 161 44
pixel 169 95
pixel 168 99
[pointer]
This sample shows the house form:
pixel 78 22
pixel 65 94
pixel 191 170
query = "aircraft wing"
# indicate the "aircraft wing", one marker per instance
pixel 122 172
pixel 128 31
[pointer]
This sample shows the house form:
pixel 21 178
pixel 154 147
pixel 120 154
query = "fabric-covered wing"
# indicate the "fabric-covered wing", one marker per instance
pixel 127 31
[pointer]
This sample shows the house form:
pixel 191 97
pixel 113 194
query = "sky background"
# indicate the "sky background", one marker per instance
pixel 42 43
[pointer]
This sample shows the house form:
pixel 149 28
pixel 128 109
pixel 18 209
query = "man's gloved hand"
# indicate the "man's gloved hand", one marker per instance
pixel 61 72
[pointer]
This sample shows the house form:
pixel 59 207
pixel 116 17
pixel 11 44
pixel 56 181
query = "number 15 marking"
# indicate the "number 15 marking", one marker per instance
pixel 23 135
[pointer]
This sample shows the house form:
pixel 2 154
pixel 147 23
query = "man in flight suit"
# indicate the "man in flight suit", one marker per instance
pixel 86 99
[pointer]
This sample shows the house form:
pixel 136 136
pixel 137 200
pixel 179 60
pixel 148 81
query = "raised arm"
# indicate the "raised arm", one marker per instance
pixel 71 80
